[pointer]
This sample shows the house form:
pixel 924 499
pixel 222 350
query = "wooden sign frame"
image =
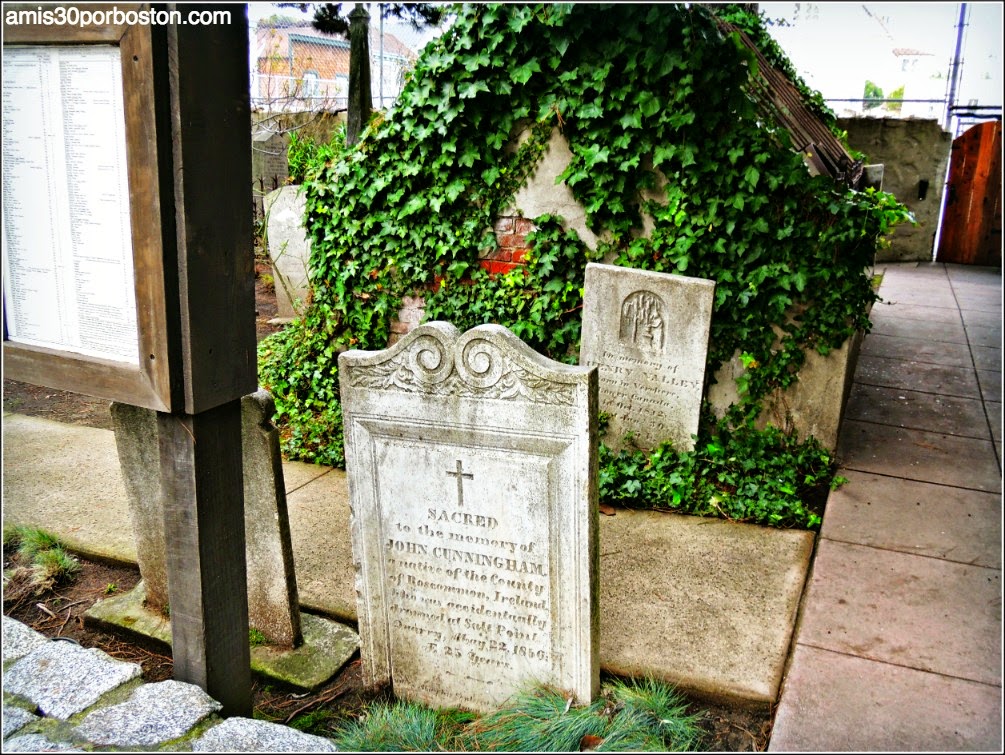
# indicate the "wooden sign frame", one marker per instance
pixel 149 382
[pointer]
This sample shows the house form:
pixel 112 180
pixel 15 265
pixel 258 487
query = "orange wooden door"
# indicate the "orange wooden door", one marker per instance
pixel 972 221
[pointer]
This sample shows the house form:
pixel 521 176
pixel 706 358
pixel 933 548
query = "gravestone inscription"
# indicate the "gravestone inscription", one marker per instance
pixel 648 335
pixel 471 463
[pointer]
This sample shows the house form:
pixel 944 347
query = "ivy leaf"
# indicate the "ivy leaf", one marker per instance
pixel 454 189
pixel 595 154
pixel 469 156
pixel 476 61
pixel 590 110
pixel 470 89
pixel 799 278
pixel 664 153
pixel 522 74
pixel 751 176
pixel 631 120
pixel 734 154
pixel 648 103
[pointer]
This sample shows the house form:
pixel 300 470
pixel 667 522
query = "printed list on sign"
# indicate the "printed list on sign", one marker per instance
pixel 67 247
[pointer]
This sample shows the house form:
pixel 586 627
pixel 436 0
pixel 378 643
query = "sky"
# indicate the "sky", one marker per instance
pixel 838 46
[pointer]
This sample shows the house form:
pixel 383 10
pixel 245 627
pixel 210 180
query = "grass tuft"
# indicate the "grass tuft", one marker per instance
pixel 52 567
pixel 645 715
pixel 396 727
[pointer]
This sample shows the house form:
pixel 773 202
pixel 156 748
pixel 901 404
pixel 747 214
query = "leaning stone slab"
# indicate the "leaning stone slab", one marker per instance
pixel 139 457
pixel 273 606
pixel 63 679
pixel 648 335
pixel 471 462
pixel 130 610
pixel 19 640
pixel 248 735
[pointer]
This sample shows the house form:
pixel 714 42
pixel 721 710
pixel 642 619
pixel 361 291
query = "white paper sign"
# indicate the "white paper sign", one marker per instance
pixel 67 245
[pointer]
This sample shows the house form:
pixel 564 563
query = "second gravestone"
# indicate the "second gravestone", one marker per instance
pixel 648 334
pixel 472 469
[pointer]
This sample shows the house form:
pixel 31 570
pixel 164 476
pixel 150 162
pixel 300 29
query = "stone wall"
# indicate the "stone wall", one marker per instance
pixel 915 154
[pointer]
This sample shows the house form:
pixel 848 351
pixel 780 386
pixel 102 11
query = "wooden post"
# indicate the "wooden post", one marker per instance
pixel 360 96
pixel 209 262
pixel 204 527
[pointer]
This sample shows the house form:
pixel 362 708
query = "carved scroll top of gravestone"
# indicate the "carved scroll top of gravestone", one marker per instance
pixel 486 362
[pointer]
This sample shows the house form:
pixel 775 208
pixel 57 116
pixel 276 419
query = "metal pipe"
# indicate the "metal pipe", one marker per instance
pixel 954 74
pixel 380 9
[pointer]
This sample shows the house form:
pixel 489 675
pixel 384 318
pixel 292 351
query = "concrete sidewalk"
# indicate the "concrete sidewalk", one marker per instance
pixel 898 646
pixel 899 641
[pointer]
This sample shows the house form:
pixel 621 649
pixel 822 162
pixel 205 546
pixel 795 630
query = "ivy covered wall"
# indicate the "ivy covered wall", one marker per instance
pixel 672 169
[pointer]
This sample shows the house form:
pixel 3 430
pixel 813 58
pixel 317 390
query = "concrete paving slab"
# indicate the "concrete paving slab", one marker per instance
pixel 915 312
pixel 916 517
pixel 987 358
pixel 985 335
pixel 990 382
pixel 66 479
pixel 983 274
pixel 945 332
pixel 706 604
pixel 975 317
pixel 296 474
pixel 980 301
pixel 913 349
pixel 914 611
pixel 926 297
pixel 917 376
pixel 919 455
pixel 322 550
pixel 994 413
pixel 919 411
pixel 838 703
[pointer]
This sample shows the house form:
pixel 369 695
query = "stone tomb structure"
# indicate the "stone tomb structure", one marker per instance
pixel 648 335
pixel 471 464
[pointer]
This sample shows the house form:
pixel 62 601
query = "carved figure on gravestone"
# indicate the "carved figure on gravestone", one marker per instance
pixel 643 321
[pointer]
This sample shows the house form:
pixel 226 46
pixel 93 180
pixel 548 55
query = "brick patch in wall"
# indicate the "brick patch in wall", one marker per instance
pixel 510 252
pixel 495 267
pixel 409 316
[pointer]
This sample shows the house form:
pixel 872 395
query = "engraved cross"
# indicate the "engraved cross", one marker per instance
pixel 460 474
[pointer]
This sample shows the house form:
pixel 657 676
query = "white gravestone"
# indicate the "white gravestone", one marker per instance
pixel 472 470
pixel 289 249
pixel 648 335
